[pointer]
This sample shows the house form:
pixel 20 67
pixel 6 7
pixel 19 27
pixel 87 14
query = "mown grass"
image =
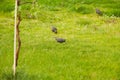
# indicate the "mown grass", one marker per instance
pixel 109 8
pixel 91 51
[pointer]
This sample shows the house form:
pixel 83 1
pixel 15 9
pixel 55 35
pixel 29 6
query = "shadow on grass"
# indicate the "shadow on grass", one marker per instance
pixel 24 76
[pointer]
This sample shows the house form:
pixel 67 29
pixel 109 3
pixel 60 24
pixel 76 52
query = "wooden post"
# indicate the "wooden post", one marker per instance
pixel 14 66
pixel 16 35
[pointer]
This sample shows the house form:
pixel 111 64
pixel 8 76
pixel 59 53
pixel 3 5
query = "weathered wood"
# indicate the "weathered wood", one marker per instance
pixel 16 36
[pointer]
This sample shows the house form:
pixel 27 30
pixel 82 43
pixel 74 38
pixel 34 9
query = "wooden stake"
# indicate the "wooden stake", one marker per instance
pixel 14 66
pixel 16 35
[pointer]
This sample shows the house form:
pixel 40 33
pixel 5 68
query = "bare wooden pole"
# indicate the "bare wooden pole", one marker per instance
pixel 16 35
pixel 14 66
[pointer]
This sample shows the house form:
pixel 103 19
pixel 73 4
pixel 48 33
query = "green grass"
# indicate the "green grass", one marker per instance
pixel 6 6
pixel 109 8
pixel 91 51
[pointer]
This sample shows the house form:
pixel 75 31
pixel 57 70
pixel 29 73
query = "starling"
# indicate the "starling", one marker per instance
pixel 60 40
pixel 99 12
pixel 54 29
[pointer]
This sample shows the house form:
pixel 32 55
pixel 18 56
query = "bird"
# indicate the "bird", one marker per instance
pixel 54 29
pixel 60 40
pixel 99 12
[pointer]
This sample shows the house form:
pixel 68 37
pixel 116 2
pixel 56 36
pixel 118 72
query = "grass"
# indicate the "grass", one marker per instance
pixel 91 51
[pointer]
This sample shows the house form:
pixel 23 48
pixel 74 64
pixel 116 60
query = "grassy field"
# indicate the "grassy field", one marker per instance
pixel 91 50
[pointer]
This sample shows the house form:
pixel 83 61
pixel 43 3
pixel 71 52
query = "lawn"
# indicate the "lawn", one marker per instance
pixel 91 50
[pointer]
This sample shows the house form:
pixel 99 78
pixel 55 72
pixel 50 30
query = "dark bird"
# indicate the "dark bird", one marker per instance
pixel 54 29
pixel 60 40
pixel 99 12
